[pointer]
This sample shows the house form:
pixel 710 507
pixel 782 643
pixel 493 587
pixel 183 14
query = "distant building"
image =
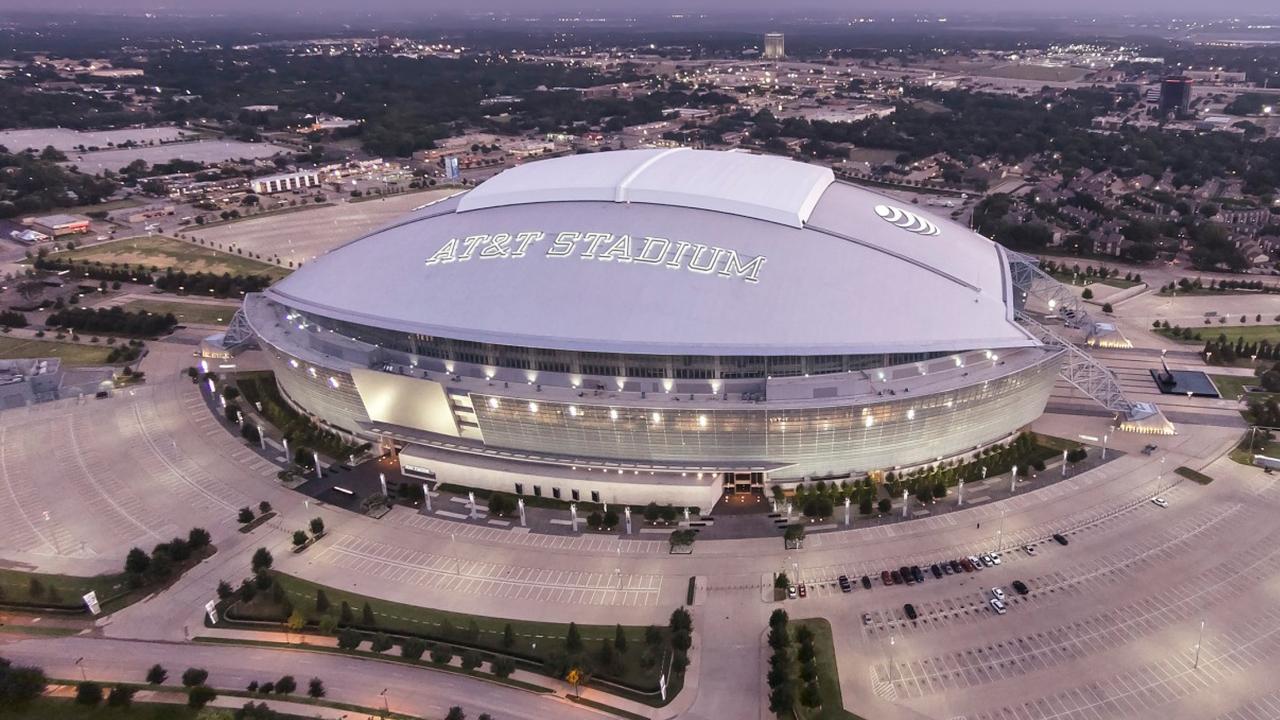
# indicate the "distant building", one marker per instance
pixel 23 382
pixel 270 184
pixel 1175 94
pixel 774 46
pixel 59 225
pixel 28 236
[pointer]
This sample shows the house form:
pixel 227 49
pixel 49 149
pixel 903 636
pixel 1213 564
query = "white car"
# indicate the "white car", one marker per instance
pixel 986 560
pixel 791 592
pixel 1029 549
pixel 995 559
pixel 997 593
pixel 1161 502
pixel 977 564
pixel 997 606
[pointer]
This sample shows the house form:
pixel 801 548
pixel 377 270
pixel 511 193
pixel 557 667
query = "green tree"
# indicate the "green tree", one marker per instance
pixel 137 561
pixel 508 636
pixel 88 693
pixel 471 660
pixel 413 648
pixel 286 685
pixel 194 676
pixel 619 639
pixel 317 526
pixel 199 696
pixel 345 616
pixel 441 654
pixel 366 615
pixel 322 601
pixel 573 640
pixel 455 713
pixel 315 688
pixel 261 560
pixel 299 538
pixel 349 639
pixel 502 666
pixel 381 642
pixel 121 696
pixel 157 675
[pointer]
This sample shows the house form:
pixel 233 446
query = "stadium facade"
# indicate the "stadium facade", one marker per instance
pixel 659 325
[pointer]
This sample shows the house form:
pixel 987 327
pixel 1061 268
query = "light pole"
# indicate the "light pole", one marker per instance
pixel 1105 437
pixel 1000 533
pixel 80 662
pixel 890 659
pixel 1013 480
pixel 1199 640
pixel 386 706
pixel 960 493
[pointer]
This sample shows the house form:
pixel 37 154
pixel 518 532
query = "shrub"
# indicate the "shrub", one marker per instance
pixel 199 696
pixel 198 538
pixel 382 642
pixel 441 654
pixel 349 639
pixel 470 660
pixel 317 526
pixel 157 675
pixel 885 505
pixel 502 666
pixel 88 693
pixel 286 685
pixel 246 515
pixel 413 648
pixel 121 696
pixel 261 560
pixel 299 538
pixel 194 676
pixel 315 688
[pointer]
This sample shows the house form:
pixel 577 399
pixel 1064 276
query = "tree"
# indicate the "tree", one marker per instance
pixel 619 639
pixel 286 685
pixel 680 620
pixel 315 688
pixel 245 516
pixel 199 696
pixel 296 622
pixel 157 675
pixel 573 640
pixel 349 639
pixel 137 561
pixel 885 505
pixel 20 685
pixel 198 538
pixel 778 618
pixel 194 676
pixel 1106 308
pixel 455 713
pixel 264 507
pixel 810 696
pixel 441 654
pixel 88 693
pixel 366 615
pixel 381 643
pixel 121 696
pixel 413 648
pixel 261 560
pixel 1087 294
pixel 225 591
pixel 317 526
pixel 502 666
pixel 299 538
pixel 345 616
pixel 508 636
pixel 471 660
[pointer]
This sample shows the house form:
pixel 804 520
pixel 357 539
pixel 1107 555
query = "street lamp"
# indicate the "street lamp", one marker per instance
pixel 1199 640
pixel 386 706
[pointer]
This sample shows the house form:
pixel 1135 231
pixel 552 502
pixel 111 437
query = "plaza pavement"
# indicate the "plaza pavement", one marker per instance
pixel 1106 631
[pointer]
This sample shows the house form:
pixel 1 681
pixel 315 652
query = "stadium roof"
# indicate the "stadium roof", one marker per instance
pixel 672 252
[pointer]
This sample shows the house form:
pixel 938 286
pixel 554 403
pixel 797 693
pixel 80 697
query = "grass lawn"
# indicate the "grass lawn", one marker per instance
pixel 1194 475
pixel 187 313
pixel 828 674
pixel 1082 280
pixel 164 252
pixel 1249 333
pixel 71 354
pixel 15 586
pixel 47 708
pixel 454 627
pixel 1232 386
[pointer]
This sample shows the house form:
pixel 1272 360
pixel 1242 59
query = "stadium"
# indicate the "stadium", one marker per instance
pixel 659 325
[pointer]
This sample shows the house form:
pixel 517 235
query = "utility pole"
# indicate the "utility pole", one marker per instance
pixel 1199 640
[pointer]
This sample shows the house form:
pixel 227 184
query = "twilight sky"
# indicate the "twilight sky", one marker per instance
pixel 402 8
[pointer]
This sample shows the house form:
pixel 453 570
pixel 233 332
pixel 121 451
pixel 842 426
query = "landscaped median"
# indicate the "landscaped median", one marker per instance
pixel 621 661
pixel 804 682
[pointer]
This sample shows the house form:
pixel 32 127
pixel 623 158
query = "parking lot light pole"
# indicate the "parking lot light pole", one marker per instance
pixel 386 706
pixel 1199 640
pixel 891 660
pixel 1013 480
pixel 960 493
pixel 1105 437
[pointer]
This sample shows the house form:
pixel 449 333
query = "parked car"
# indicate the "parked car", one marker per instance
pixel 937 571
pixel 997 606
pixel 1020 587
pixel 916 574
pixel 1029 549
pixel 845 585
pixel 997 593
pixel 866 582
pixel 946 567
pixel 995 558
pixel 791 592
pixel 803 592
pixel 907 577
pixel 886 578
pixel 967 564
pixel 1147 450
pixel 956 566
pixel 986 560
pixel 910 610
pixel 1160 501
pixel 897 577
pixel 1060 539
pixel 975 562
pixel 866 618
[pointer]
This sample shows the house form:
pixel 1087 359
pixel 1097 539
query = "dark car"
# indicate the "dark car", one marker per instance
pixel 967 564
pixel 910 610
pixel 905 572
pixel 916 574
pixel 1060 539
pixel 946 567
pixel 845 585
pixel 937 571
pixel 866 582
pixel 885 577
pixel 897 577
pixel 1020 587
pixel 956 566
pixel 102 394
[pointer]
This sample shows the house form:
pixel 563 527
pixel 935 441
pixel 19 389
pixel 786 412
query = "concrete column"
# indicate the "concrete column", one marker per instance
pixel 426 496
pixel 627 514
pixel 520 507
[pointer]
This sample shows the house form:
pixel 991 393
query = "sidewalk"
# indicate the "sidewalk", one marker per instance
pixel 301 642
pixel 230 702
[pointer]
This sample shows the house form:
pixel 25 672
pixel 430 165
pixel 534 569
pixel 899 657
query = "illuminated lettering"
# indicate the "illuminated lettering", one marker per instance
pixel 470 244
pixel 620 250
pixel 593 243
pixel 749 272
pixel 647 254
pixel 499 246
pixel 700 258
pixel 523 240
pixel 705 267
pixel 562 246
pixel 446 254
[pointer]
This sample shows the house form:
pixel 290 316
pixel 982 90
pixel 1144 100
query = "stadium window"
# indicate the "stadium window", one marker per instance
pixel 595 496
pixel 555 493
pixel 537 491
pixel 574 494
pixel 519 488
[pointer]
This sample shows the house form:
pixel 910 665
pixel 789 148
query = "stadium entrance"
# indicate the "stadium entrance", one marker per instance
pixel 743 483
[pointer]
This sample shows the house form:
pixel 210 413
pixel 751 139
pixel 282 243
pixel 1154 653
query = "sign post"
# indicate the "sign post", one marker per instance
pixel 211 609
pixel 91 602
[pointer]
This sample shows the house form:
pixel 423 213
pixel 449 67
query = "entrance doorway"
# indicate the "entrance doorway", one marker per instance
pixel 743 483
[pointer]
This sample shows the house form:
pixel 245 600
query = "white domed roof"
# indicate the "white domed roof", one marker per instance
pixel 672 252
